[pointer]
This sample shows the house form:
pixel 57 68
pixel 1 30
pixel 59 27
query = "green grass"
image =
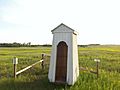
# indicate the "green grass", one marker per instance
pixel 37 79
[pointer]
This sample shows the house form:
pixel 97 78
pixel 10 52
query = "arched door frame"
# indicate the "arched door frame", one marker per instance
pixel 61 62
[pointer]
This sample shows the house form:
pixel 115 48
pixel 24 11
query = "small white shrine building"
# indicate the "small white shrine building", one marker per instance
pixel 64 66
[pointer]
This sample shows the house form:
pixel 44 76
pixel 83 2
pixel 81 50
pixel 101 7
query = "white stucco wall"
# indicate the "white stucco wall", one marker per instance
pixel 75 58
pixel 63 33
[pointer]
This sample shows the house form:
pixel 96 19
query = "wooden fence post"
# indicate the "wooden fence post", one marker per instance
pixel 97 66
pixel 43 63
pixel 15 69
pixel 97 69
pixel 15 62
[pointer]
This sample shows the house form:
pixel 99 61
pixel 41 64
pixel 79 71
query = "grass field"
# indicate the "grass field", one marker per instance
pixel 36 78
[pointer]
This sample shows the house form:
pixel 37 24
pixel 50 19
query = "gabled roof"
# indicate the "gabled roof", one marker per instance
pixel 68 29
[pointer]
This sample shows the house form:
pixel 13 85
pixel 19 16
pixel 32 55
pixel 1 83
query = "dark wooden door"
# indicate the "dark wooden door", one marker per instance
pixel 61 62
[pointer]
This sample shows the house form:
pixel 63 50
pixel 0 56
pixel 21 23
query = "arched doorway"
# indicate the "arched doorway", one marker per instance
pixel 61 62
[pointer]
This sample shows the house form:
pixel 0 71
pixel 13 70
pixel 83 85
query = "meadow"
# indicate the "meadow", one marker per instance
pixel 37 79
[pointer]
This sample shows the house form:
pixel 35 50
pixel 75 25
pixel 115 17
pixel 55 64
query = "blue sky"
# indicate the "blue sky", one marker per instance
pixel 97 21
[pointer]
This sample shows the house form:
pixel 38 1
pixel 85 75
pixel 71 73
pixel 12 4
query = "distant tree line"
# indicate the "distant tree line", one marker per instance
pixel 82 45
pixel 88 45
pixel 93 44
pixel 15 44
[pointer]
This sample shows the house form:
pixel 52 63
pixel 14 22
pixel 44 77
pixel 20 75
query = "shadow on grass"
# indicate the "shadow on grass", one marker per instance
pixel 30 83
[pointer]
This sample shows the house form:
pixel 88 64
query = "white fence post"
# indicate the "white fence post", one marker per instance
pixel 15 62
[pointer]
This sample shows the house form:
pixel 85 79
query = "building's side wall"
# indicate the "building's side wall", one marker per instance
pixel 52 61
pixel 75 58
